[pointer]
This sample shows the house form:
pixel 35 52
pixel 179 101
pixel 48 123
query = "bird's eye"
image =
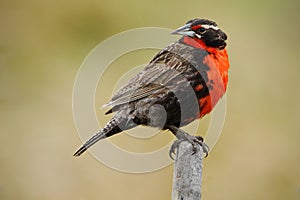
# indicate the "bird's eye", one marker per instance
pixel 201 30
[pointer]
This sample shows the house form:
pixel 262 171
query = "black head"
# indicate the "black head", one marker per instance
pixel 205 30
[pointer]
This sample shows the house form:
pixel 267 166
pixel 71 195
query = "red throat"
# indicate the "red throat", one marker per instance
pixel 217 61
pixel 217 58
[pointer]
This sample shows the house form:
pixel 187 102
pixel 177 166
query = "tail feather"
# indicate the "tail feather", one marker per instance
pixel 111 128
pixel 95 138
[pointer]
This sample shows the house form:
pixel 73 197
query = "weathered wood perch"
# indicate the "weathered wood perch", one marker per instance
pixel 187 172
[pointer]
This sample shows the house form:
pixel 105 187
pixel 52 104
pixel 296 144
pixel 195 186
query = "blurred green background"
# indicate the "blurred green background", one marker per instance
pixel 43 43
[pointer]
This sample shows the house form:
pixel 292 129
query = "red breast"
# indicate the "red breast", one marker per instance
pixel 218 63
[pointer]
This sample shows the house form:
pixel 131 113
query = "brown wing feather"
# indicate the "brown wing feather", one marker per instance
pixel 169 64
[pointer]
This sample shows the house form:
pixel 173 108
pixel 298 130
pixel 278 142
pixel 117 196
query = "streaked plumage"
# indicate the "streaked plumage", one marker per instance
pixel 186 79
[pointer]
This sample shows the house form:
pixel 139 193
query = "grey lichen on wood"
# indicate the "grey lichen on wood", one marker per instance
pixel 187 172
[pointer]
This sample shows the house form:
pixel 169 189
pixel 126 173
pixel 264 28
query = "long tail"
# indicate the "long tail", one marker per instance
pixel 95 138
pixel 111 128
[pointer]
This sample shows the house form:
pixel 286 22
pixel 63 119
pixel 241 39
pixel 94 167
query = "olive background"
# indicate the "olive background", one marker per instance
pixel 42 45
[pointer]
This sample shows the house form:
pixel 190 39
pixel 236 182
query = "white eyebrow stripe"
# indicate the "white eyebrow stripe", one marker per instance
pixel 198 36
pixel 210 26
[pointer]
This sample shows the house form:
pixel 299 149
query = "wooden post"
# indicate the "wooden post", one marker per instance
pixel 187 172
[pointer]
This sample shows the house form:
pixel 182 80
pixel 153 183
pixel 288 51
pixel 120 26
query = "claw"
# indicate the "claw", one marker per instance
pixel 173 148
pixel 199 140
pixel 183 136
pixel 194 140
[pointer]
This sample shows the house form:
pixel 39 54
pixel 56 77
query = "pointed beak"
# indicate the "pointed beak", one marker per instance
pixel 184 30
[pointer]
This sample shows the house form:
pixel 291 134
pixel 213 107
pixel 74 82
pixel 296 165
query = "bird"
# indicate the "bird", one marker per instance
pixel 182 83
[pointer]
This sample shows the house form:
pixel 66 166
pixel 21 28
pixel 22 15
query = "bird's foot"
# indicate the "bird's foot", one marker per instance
pixel 194 140
pixel 173 148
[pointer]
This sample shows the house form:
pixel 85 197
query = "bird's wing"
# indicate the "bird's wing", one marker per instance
pixel 143 84
pixel 164 70
pixel 133 94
